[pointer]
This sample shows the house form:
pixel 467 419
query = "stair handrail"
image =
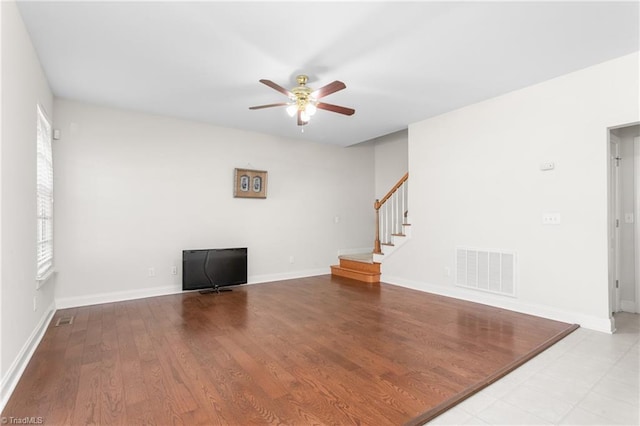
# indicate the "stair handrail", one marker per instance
pixel 379 203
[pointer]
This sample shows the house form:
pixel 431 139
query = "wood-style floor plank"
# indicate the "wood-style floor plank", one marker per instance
pixel 317 350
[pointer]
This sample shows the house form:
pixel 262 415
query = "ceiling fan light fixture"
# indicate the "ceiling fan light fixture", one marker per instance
pixel 292 110
pixel 303 101
pixel 310 109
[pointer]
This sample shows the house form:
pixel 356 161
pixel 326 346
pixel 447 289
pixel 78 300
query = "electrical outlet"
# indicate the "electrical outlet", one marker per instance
pixel 551 219
pixel 152 272
pixel 291 259
pixel 174 270
pixel 447 271
pixel 547 166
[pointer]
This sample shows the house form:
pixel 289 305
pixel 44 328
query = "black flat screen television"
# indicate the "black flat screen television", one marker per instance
pixel 213 268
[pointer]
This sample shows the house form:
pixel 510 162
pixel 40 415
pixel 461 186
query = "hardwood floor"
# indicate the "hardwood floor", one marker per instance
pixel 318 350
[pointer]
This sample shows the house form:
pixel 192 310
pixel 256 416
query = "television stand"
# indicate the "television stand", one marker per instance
pixel 215 289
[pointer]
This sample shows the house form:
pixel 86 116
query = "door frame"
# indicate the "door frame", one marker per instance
pixel 614 224
pixel 636 222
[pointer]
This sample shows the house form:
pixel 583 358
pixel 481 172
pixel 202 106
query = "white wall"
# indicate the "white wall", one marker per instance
pixel 391 161
pixel 24 85
pixel 133 190
pixel 475 181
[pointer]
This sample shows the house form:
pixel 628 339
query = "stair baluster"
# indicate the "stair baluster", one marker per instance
pixel 391 212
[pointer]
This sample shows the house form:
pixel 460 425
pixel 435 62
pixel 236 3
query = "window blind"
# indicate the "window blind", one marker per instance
pixel 44 196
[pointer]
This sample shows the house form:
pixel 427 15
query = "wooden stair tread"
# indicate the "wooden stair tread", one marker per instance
pixel 373 267
pixel 354 270
pixel 354 274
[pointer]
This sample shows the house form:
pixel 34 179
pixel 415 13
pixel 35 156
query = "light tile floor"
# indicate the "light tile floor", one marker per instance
pixel 588 378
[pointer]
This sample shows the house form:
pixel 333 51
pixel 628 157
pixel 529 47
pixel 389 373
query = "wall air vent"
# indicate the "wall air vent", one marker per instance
pixel 486 270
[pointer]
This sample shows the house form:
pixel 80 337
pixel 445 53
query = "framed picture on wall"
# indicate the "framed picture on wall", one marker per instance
pixel 250 183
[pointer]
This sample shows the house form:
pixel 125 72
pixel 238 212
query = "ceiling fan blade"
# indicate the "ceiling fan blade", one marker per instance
pixel 336 108
pixel 328 89
pixel 301 122
pixel 269 106
pixel 277 87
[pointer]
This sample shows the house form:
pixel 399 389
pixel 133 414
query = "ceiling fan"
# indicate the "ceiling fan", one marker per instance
pixel 303 101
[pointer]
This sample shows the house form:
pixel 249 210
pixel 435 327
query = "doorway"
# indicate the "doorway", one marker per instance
pixel 624 227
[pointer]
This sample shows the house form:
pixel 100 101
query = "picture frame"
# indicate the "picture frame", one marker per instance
pixel 250 183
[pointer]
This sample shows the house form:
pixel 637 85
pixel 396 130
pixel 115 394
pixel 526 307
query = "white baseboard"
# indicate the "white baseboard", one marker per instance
pixel 119 296
pixel 628 306
pixel 11 378
pixel 593 323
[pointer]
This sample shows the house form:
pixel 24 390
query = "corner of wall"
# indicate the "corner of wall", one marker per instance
pixel 587 321
pixel 24 85
pixel 14 372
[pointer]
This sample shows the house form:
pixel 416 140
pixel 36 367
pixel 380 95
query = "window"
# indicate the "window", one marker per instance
pixel 44 196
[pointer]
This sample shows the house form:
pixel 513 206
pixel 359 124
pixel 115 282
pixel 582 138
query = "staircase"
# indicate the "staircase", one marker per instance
pixel 360 267
pixel 392 231
pixel 393 244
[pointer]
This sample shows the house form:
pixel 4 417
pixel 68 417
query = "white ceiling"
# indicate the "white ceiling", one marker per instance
pixel 402 62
